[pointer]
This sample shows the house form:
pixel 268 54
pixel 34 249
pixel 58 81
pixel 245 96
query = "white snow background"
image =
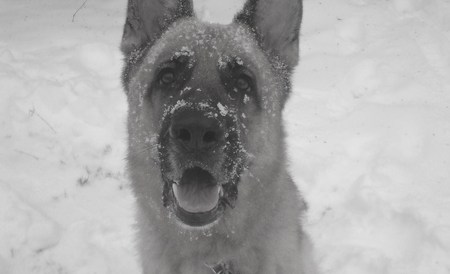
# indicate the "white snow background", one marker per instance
pixel 368 128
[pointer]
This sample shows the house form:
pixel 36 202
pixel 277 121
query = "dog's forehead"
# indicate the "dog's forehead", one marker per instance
pixel 206 40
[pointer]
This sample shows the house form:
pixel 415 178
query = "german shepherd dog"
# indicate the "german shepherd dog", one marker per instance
pixel 206 151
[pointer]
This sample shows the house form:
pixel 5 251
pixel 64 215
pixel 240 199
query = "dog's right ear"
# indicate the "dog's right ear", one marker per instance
pixel 276 25
pixel 148 19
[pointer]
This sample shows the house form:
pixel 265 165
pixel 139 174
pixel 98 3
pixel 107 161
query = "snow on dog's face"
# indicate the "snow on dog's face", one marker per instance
pixel 205 101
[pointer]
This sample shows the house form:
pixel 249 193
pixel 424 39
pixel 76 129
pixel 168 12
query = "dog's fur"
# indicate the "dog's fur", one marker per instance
pixel 257 229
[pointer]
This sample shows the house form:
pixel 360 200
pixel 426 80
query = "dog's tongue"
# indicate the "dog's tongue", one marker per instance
pixel 197 191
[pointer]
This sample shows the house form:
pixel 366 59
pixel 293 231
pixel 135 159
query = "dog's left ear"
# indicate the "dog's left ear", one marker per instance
pixel 276 24
pixel 148 19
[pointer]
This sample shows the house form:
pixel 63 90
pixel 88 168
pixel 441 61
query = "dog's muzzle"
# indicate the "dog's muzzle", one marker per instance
pixel 199 166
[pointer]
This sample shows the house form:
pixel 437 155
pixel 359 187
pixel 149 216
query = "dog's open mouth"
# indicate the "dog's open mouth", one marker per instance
pixel 197 197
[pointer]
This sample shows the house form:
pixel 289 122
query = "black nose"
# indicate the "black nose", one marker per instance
pixel 194 130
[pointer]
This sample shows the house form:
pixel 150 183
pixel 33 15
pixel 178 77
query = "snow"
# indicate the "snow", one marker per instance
pixel 369 134
pixel 223 109
pixel 368 126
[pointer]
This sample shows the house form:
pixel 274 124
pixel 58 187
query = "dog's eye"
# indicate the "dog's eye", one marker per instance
pixel 167 76
pixel 243 83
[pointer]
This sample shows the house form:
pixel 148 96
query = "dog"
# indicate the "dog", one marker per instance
pixel 206 153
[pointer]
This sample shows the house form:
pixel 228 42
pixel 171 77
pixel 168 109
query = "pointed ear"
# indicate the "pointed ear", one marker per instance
pixel 148 19
pixel 276 24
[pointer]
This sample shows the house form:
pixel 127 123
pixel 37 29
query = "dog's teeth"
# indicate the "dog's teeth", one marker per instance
pixel 220 190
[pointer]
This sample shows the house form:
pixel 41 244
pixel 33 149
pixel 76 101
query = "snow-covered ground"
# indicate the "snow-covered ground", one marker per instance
pixel 368 131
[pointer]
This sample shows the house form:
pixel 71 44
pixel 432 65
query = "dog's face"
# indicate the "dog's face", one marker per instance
pixel 204 101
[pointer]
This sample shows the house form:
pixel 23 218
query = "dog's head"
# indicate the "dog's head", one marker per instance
pixel 205 100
